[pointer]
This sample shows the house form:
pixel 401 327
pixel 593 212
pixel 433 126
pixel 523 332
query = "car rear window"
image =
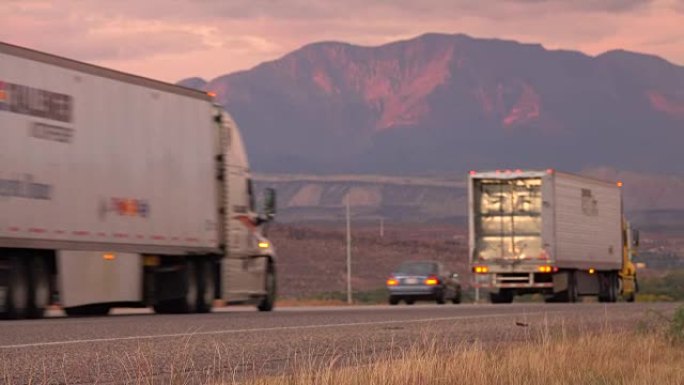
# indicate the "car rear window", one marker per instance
pixel 418 268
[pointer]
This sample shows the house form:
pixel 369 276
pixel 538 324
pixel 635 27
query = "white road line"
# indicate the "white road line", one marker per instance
pixel 270 329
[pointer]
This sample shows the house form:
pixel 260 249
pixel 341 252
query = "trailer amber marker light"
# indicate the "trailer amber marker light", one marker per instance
pixel 263 245
pixel 545 269
pixel 619 183
pixel 108 256
pixel 592 271
pixel 212 94
pixel 480 269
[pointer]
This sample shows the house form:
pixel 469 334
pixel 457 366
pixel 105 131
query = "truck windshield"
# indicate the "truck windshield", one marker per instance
pixel 507 219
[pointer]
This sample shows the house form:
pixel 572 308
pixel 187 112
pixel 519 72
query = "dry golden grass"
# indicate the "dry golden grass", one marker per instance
pixel 634 359
pixel 650 353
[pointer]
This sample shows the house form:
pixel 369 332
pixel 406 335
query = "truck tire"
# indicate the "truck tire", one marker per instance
pixel 503 296
pixel 632 296
pixel 17 297
pixel 614 291
pixel 270 285
pixel 199 289
pixel 609 287
pixel 39 287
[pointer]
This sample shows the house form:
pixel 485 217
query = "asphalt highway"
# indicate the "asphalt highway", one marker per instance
pixel 236 342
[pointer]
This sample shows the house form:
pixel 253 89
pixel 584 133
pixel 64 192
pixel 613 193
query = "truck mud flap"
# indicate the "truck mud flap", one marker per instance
pixel 560 282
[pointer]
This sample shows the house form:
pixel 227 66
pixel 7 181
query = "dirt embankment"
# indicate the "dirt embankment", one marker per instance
pixel 312 258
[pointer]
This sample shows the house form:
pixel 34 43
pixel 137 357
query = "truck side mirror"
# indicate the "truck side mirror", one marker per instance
pixel 635 237
pixel 270 202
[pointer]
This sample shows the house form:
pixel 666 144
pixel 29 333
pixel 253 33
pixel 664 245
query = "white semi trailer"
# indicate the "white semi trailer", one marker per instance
pixel 117 190
pixel 548 232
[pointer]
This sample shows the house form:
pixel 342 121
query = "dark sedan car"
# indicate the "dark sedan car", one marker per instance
pixel 423 280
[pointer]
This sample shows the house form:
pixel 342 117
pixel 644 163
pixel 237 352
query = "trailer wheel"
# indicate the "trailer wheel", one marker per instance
pixel 16 302
pixel 39 287
pixel 614 287
pixel 268 301
pixel 609 287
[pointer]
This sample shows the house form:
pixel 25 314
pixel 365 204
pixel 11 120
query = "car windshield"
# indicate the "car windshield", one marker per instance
pixel 417 268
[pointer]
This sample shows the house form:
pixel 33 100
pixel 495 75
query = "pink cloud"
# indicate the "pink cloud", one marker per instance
pixel 173 39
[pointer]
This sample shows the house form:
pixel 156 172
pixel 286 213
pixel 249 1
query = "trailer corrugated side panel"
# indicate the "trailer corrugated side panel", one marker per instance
pixel 588 221
pixel 90 161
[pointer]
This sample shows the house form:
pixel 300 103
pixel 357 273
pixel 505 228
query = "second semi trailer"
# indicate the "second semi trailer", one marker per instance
pixel 548 232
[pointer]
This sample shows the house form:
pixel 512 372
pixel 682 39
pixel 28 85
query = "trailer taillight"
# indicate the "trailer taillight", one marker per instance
pixel 432 281
pixel 480 269
pixel 592 270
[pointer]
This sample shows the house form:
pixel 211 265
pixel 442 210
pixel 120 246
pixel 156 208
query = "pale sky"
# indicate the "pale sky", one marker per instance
pixel 174 39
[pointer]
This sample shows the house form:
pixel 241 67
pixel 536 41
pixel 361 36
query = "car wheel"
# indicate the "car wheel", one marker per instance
pixel 440 298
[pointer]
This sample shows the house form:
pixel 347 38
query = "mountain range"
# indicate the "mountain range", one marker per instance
pixel 443 104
